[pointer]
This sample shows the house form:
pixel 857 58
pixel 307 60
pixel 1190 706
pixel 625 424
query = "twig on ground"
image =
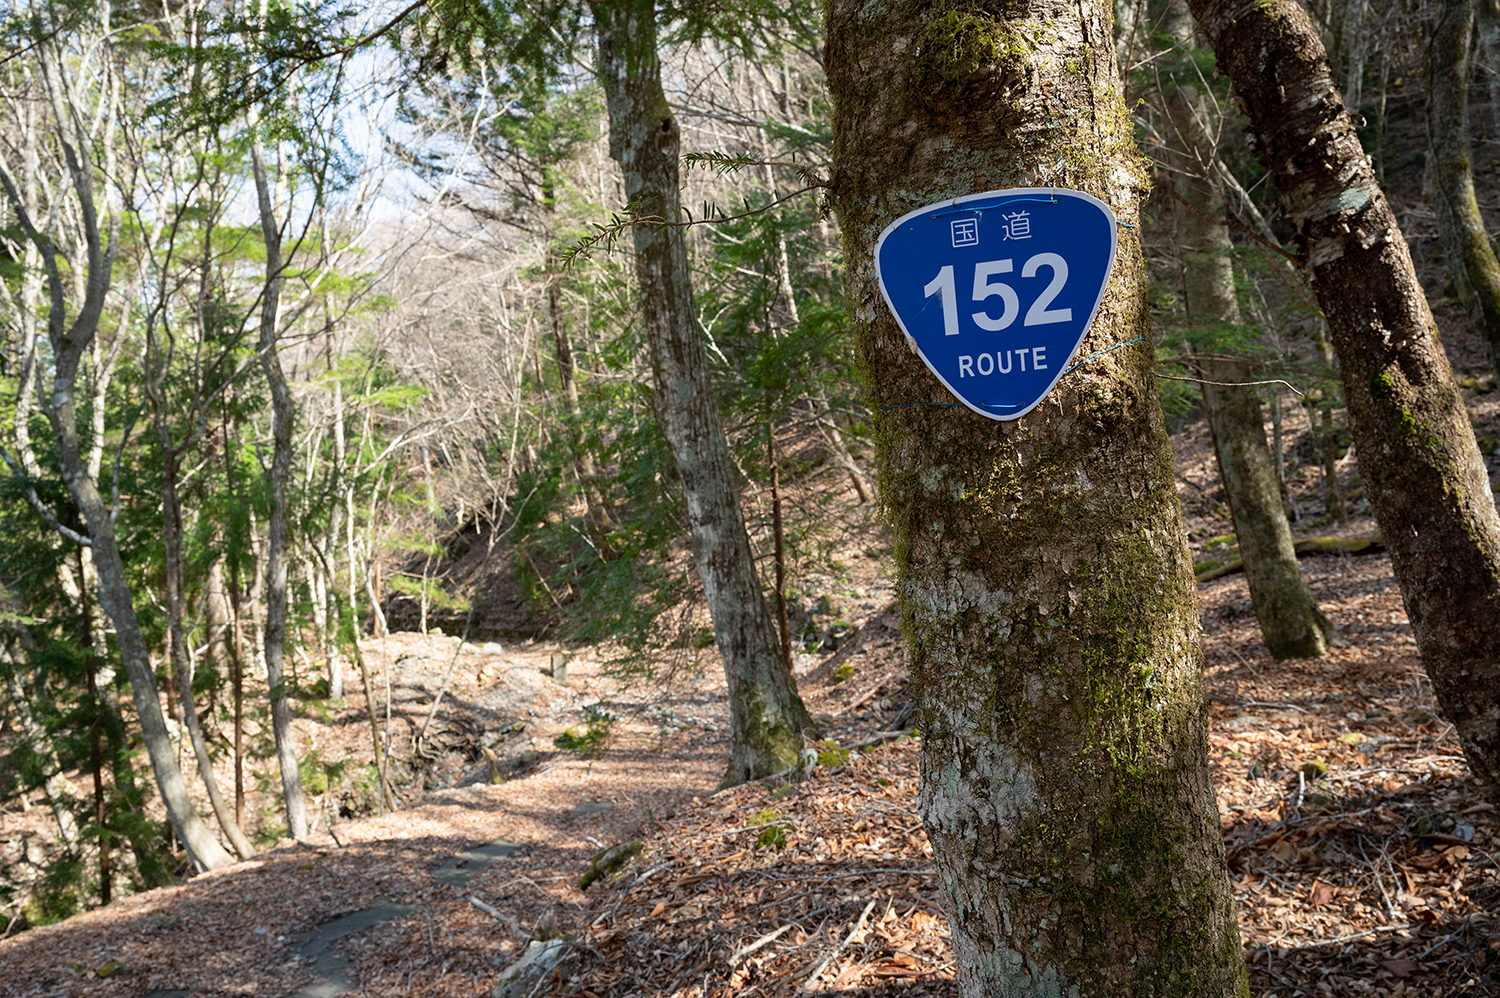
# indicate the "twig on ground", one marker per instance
pixel 512 923
pixel 769 937
pixel 1344 939
pixel 838 949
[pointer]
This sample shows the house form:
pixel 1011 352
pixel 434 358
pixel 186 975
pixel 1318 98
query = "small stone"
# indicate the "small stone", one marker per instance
pixel 522 978
pixel 592 807
pixel 435 632
pixel 492 648
pixel 1312 769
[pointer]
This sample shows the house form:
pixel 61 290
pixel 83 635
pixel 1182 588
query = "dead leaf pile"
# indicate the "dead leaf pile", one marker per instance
pixel 822 885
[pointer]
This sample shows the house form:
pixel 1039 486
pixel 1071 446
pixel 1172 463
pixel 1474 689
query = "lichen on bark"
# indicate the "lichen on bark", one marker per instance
pixel 767 718
pixel 1427 483
pixel 1043 572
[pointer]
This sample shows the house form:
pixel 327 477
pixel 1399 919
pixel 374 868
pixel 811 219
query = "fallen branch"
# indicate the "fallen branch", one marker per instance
pixel 880 737
pixel 1344 939
pixel 1213 568
pixel 838 949
pixel 495 914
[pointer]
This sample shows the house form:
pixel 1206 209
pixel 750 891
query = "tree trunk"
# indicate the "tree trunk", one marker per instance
pixel 1427 484
pixel 283 412
pixel 326 617
pixel 217 615
pixel 1045 581
pixel 1290 621
pixel 767 717
pixel 171 508
pixel 96 764
pixel 583 457
pixel 822 418
pixel 1466 245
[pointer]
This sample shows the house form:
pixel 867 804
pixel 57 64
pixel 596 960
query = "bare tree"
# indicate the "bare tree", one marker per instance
pixel 86 159
pixel 767 717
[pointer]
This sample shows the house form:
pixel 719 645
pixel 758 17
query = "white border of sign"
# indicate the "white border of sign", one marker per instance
pixel 959 203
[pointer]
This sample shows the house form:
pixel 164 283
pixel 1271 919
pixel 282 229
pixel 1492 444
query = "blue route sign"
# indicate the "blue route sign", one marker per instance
pixel 997 289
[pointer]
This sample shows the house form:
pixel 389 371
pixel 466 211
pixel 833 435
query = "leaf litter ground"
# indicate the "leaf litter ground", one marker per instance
pixel 1363 854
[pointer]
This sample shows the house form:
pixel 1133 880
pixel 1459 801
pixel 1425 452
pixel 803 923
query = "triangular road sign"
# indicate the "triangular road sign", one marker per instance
pixel 997 289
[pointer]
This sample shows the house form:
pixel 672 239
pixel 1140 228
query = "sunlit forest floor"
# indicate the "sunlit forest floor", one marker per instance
pixel 1363 855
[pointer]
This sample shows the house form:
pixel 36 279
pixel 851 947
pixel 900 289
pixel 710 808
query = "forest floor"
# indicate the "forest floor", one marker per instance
pixel 1363 855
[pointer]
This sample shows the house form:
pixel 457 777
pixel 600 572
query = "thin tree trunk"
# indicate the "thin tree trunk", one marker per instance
pixel 583 457
pixel 1290 621
pixel 1328 455
pixel 283 412
pixel 328 619
pixel 1426 481
pixel 1466 245
pixel 171 509
pixel 783 624
pixel 827 428
pixel 121 755
pixel 36 736
pixel 96 763
pixel 1045 581
pixel 364 676
pixel 237 690
pixel 767 717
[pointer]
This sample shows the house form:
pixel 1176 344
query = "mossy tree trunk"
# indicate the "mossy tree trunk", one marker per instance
pixel 767 717
pixel 1043 572
pixel 1466 245
pixel 1290 621
pixel 1427 483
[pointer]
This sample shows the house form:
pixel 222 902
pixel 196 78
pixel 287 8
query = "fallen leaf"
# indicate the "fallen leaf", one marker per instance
pixel 849 974
pixel 1321 894
pixel 661 906
pixel 1399 968
pixel 1453 855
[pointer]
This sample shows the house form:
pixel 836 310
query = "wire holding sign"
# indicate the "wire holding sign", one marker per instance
pixel 998 300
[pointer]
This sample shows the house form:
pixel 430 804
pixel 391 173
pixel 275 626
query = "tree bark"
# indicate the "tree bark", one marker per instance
pixel 1290 621
pixel 1466 245
pixel 1044 576
pixel 171 509
pixel 283 413
pixel 767 717
pixel 1427 483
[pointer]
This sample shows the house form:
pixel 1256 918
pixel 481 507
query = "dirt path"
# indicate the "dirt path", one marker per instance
pixel 299 919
